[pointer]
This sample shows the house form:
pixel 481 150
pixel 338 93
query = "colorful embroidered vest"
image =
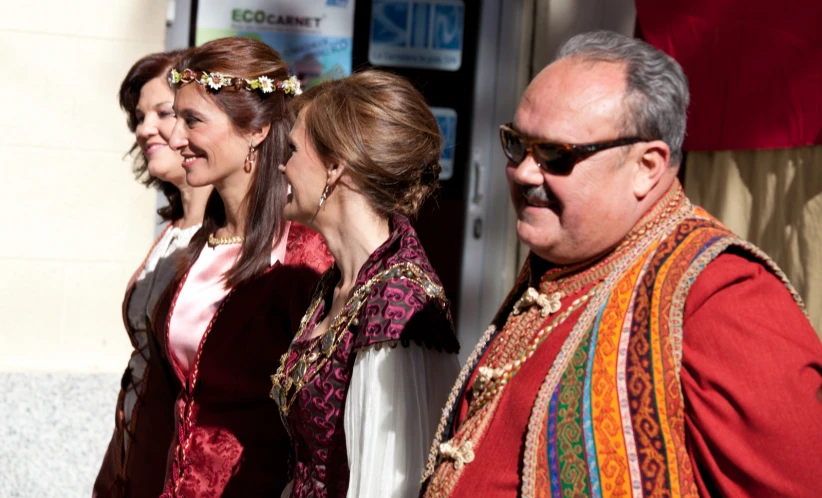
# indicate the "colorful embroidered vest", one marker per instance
pixel 609 416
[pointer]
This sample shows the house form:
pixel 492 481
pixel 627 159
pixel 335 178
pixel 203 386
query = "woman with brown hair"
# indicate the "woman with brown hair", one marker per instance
pixel 134 464
pixel 246 276
pixel 364 379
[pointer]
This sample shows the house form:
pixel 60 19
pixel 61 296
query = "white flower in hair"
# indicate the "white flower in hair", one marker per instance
pixel 266 85
pixel 215 81
pixel 292 85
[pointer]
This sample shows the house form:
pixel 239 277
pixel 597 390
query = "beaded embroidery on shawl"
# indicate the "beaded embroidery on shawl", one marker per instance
pixel 315 420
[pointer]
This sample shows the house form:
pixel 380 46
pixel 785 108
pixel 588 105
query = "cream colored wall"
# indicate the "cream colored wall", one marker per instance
pixel 75 224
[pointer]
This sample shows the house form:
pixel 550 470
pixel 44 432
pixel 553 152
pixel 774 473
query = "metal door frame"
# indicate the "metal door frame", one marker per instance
pixel 490 255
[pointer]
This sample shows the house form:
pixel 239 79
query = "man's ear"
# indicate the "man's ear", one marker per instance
pixel 652 161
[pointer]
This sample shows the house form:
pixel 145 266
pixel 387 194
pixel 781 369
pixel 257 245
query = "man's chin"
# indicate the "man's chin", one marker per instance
pixel 535 236
pixel 542 239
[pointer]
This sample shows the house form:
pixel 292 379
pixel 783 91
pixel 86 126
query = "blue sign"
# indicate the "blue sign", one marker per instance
pixel 447 121
pixel 337 3
pixel 417 33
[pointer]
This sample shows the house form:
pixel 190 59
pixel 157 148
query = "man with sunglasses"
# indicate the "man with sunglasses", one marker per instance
pixel 645 350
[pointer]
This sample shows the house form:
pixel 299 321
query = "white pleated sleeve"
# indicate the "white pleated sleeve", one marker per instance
pixel 392 410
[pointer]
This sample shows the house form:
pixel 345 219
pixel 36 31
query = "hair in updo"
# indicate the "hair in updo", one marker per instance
pixel 248 110
pixel 381 128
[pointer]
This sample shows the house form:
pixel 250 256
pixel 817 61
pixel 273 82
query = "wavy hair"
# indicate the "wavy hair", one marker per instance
pixel 144 70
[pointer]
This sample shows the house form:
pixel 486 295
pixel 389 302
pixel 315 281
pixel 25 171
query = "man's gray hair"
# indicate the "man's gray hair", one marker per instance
pixel 657 89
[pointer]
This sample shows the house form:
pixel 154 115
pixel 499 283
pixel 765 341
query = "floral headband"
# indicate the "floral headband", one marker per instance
pixel 215 81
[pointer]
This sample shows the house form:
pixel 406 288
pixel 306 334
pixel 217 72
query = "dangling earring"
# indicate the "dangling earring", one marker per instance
pixel 249 158
pixel 325 195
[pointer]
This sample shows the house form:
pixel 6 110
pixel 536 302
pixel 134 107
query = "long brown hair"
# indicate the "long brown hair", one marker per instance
pixel 248 110
pixel 144 70
pixel 380 126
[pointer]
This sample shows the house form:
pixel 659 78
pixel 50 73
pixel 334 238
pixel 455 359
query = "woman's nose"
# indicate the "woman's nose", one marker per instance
pixel 177 140
pixel 146 129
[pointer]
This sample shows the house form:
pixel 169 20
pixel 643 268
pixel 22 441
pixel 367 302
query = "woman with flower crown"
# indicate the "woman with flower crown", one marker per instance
pixel 134 464
pixel 361 387
pixel 246 277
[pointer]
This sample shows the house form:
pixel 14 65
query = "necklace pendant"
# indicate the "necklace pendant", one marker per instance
pixel 275 394
pixel 299 371
pixel 548 305
pixel 327 342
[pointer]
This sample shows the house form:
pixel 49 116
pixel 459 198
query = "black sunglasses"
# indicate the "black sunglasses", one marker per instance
pixel 557 159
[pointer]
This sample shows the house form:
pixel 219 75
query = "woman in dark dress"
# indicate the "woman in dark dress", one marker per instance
pixel 245 279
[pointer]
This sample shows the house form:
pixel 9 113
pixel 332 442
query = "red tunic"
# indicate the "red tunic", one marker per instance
pixel 754 68
pixel 752 380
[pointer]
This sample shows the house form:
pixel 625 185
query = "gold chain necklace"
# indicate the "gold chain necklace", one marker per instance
pixel 288 381
pixel 220 241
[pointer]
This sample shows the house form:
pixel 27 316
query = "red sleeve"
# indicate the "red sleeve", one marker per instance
pixel 305 247
pixel 306 259
pixel 751 376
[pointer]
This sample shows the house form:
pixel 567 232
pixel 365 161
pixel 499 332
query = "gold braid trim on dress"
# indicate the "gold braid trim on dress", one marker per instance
pixel 290 379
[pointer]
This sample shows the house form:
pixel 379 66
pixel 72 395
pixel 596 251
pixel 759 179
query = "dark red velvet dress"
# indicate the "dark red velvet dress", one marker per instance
pixel 228 440
pixel 396 313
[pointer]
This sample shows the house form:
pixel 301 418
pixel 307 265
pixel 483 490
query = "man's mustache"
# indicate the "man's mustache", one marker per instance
pixel 537 192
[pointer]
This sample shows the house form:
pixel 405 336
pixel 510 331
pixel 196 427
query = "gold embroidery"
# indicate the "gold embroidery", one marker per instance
pixel 311 361
pixel 492 385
